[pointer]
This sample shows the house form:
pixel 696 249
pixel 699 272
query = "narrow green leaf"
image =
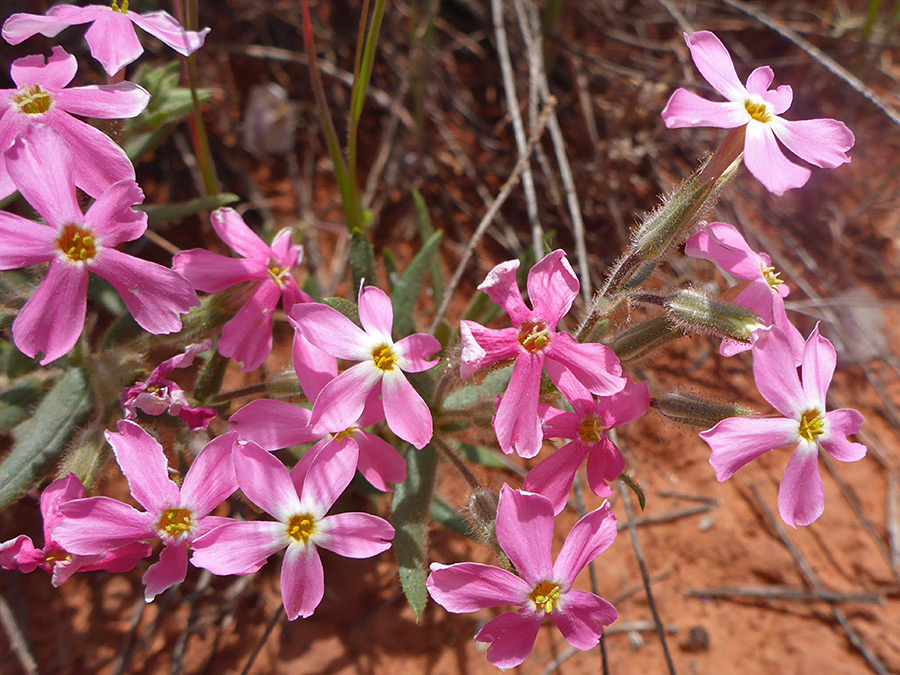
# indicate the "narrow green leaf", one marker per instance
pixel 407 290
pixel 18 398
pixel 345 307
pixel 410 507
pixel 164 213
pixel 362 260
pixel 481 455
pixel 426 230
pixel 40 440
pixel 444 514
pixel 635 488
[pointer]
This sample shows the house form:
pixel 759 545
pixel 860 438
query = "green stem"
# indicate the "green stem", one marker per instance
pixel 362 74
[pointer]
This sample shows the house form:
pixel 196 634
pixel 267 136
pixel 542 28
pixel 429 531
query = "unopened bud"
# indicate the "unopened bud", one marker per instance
pixel 642 339
pixel 482 512
pixel 695 312
pixel 690 409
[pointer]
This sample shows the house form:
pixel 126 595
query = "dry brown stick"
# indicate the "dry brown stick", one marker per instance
pixel 830 64
pixel 512 102
pixel 262 640
pixel 502 196
pixel 675 494
pixel 16 638
pixel 616 629
pixel 668 516
pixel 639 554
pixel 634 590
pixel 784 593
pixel 855 638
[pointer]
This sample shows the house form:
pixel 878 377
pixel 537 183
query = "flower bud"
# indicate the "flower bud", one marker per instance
pixel 695 312
pixel 482 511
pixel 640 340
pixel 687 408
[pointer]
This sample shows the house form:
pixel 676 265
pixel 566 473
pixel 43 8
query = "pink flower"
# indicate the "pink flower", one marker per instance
pixel 42 96
pixel 534 343
pixel 42 166
pixel 274 425
pixel 177 515
pixel 738 440
pixel 157 395
pixel 543 589
pixel 587 427
pixel 821 142
pixel 248 336
pixel 383 361
pixel 111 36
pixel 723 244
pixel 20 553
pixel 298 503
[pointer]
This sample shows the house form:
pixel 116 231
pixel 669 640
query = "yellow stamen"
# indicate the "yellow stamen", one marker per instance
pixel 301 527
pixel 33 100
pixel 384 357
pixel 533 335
pixel 175 522
pixel 812 425
pixel 349 432
pixel 77 243
pixel 771 277
pixel 121 10
pixel 591 430
pixel 757 110
pixel 545 596
pixel 56 555
pixel 278 274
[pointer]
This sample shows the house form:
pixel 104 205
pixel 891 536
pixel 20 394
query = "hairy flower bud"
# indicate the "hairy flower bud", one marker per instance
pixel 695 312
pixel 644 338
pixel 687 408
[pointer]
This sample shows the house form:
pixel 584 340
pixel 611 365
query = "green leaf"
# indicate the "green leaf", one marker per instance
pixel 426 230
pixel 410 507
pixel 407 289
pixel 18 398
pixel 362 259
pixel 164 213
pixel 635 488
pixel 481 455
pixel 345 307
pixel 40 440
pixel 444 514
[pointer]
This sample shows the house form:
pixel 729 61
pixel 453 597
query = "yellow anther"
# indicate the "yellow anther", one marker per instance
pixel 116 8
pixel 56 555
pixel 175 522
pixel 545 596
pixel 349 432
pixel 384 357
pixel 301 527
pixel 591 430
pixel 33 100
pixel 812 425
pixel 533 335
pixel 757 110
pixel 277 273
pixel 771 276
pixel 77 243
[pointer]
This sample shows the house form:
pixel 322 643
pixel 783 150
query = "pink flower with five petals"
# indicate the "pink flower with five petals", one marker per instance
pixel 535 344
pixel 111 36
pixel 821 142
pixel 543 588
pixel 736 441
pixel 42 96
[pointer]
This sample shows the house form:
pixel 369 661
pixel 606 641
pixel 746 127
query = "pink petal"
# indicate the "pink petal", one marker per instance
pixel 112 101
pixel 289 254
pixel 406 412
pixel 247 337
pixel 328 477
pixel 590 536
pixel 525 532
pixel 167 30
pixel 48 186
pixel 379 462
pixel 301 468
pixel 183 360
pixel 594 365
pixel 516 423
pixel 376 313
pixel 605 464
pixel 767 163
pixel 687 109
pixel 780 99
pixel 775 373
pixel 725 246
pixel 355 535
pixel 468 587
pixel 155 295
pixel 627 405
pixel 232 229
pixel 501 286
pixel 197 418
pixel 801 497
pixel 583 618
pixel 559 424
pixel 840 424
pixel 736 441
pixel 760 80
pixel 144 464
pixel 483 346
pixel 314 368
pixel 342 400
pixel 171 569
pixel 415 352
pixel 24 243
pixel 553 477
pixel 782 323
pixel 20 554
pixel 302 581
pixel 331 331
pixel 96 525
pixel 265 481
pixel 821 142
pixel 54 73
pixel 211 272
pixel 819 360
pixel 11 125
pixel 211 479
pixel 715 64
pixel 99 161
pixel 112 217
pixel 52 319
pixel 512 637
pixel 59 492
pixel 19 27
pixel 552 286
pixel 113 41
pixel 759 297
pixel 238 547
pixel 272 424
pixel 122 559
